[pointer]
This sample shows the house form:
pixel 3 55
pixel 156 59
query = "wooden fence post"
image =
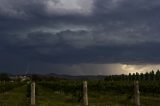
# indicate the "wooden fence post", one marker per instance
pixel 136 93
pixel 33 85
pixel 85 94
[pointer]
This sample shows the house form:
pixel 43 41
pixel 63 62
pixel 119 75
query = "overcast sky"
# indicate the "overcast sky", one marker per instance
pixel 79 37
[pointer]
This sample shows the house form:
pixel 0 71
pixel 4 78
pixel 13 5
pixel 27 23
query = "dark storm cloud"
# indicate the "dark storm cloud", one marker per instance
pixel 77 48
pixel 78 31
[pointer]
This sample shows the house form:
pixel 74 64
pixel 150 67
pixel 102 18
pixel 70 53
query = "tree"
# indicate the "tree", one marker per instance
pixel 35 78
pixel 130 76
pixel 146 76
pixel 157 75
pixel 141 76
pixel 151 74
pixel 4 77
pixel 133 76
pixel 137 76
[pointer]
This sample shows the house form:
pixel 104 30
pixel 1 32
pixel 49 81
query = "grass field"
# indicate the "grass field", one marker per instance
pixel 15 97
pixel 48 97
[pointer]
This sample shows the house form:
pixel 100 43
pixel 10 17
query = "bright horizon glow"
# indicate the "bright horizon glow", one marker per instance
pixel 99 69
pixel 139 68
pixel 132 69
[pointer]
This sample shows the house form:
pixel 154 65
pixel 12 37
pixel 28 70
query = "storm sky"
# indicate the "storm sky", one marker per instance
pixel 79 37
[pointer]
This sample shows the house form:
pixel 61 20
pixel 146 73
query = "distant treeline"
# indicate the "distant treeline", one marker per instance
pixel 148 76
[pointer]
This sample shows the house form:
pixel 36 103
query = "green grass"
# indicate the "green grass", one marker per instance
pixel 48 97
pixel 15 97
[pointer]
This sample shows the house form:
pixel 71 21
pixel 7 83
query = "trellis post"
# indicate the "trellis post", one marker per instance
pixel 33 101
pixel 85 94
pixel 136 93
